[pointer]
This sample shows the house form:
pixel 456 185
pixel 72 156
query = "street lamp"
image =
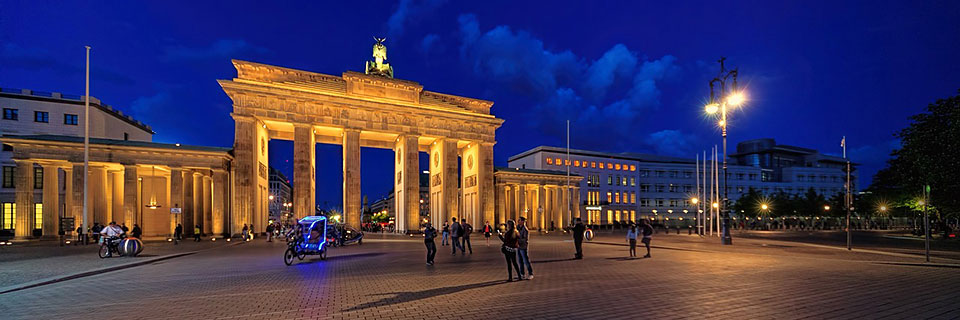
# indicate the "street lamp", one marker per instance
pixel 718 106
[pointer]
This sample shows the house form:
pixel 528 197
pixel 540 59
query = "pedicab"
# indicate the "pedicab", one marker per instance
pixel 309 239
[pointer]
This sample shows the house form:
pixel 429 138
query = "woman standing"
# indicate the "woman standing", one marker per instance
pixel 446 234
pixel 487 232
pixel 632 239
pixel 510 240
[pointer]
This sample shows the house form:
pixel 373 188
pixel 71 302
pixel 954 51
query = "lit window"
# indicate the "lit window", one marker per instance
pixel 616 166
pixel 609 197
pixel 609 216
pixel 38 215
pixel 617 198
pixel 609 165
pixel 593 164
pixel 576 163
pixel 568 162
pixel 9 215
pixel 549 160
pixel 633 197
pixel 633 168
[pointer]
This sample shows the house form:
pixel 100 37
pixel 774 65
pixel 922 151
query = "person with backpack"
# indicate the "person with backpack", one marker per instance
pixel 632 239
pixel 647 235
pixel 456 231
pixel 510 241
pixel 465 239
pixel 429 233
pixel 578 230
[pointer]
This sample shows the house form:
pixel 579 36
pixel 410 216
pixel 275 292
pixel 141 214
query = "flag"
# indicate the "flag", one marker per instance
pixel 843 142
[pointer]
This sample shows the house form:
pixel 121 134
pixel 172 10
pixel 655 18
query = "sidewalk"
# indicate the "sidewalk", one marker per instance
pixel 35 263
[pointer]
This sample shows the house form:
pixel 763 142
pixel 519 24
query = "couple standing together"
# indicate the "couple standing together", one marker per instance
pixel 515 241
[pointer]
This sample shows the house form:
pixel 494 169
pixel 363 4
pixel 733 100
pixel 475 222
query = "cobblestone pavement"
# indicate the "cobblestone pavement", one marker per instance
pixel 387 279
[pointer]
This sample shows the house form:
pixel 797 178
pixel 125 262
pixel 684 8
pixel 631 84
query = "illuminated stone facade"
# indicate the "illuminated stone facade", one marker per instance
pixel 542 196
pixel 358 110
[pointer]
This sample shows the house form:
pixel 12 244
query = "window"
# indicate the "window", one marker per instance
pixel 624 180
pixel 660 173
pixel 618 180
pixel 549 160
pixel 8 176
pixel 633 215
pixel 37 178
pixel 687 174
pixel 800 178
pixel 9 214
pixel 41 116
pixel 126 136
pixel 753 176
pixel 644 188
pixel 739 176
pixel 673 188
pixel 633 168
pixel 661 188
pixel 633 181
pixel 11 114
pixel 687 188
pixel 70 119
pixel 673 173
pixel 576 163
pixel 609 197
pixel 644 173
pixel 609 179
pixel 617 198
pixel 593 164
pixel 644 202
pixel 659 202
pixel 38 215
pixel 673 202
pixel 616 166
pixel 633 197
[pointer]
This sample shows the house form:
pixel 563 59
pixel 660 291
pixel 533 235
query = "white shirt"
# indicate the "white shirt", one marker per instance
pixel 113 231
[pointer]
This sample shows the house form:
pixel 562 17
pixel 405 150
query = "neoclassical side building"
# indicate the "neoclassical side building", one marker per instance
pixel 548 199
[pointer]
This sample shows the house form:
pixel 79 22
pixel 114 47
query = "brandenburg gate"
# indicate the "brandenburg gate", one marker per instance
pixel 356 110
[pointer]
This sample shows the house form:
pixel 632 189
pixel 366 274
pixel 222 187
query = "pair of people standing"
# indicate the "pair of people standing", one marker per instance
pixel 515 243
pixel 460 236
pixel 645 231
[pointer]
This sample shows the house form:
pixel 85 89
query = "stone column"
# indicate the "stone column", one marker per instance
pixel 188 209
pixel 77 178
pixel 98 196
pixel 351 177
pixel 521 201
pixel 176 196
pixel 407 186
pixel 304 171
pixel 541 207
pixel 130 196
pixel 207 203
pixel 245 168
pixel 485 176
pixel 51 201
pixel 117 208
pixel 443 179
pixel 68 195
pixel 576 203
pixel 197 200
pixel 220 195
pixel 501 197
pixel 511 197
pixel 23 182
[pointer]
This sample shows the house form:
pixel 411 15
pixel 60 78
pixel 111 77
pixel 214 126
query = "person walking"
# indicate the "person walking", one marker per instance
pixel 429 233
pixel 196 233
pixel 467 230
pixel 137 232
pixel 123 226
pixel 578 230
pixel 270 229
pixel 455 232
pixel 647 235
pixel 487 232
pixel 177 234
pixel 244 232
pixel 509 249
pixel 446 234
pixel 96 232
pixel 522 242
pixel 79 235
pixel 632 239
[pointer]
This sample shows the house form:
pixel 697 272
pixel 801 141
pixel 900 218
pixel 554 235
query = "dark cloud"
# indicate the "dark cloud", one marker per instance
pixel 15 56
pixel 671 143
pixel 218 50
pixel 617 88
pixel 408 12
pixel 430 43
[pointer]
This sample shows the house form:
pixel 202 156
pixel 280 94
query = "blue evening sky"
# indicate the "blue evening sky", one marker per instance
pixel 630 76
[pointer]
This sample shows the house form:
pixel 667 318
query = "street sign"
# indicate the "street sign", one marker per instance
pixel 67 224
pixel 176 210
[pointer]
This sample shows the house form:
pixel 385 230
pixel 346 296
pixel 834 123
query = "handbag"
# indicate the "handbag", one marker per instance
pixel 507 250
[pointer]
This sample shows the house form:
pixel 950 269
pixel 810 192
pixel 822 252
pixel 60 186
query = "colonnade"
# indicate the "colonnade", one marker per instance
pixel 543 198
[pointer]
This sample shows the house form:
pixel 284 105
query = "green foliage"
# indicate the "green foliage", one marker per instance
pixel 929 147
pixel 380 217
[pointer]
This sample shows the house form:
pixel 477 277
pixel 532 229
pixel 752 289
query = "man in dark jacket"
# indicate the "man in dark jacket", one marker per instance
pixel 578 230
pixel 429 233
pixel 465 239
pixel 522 256
pixel 456 231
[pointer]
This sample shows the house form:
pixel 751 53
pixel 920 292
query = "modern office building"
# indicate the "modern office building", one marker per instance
pixel 627 186
pixel 37 113
pixel 281 192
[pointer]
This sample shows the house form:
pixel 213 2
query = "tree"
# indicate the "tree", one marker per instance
pixel 746 206
pixel 929 147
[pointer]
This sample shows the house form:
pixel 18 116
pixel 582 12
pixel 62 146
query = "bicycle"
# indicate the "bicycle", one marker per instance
pixel 109 246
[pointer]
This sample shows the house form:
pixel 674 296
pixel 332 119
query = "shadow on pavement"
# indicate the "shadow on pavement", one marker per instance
pixel 343 257
pixel 552 260
pixel 408 296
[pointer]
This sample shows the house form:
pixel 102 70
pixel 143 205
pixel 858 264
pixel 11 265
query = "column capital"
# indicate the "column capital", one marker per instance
pixel 302 125
pixel 345 130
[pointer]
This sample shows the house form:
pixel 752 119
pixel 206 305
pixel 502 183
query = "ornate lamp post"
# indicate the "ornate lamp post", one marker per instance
pixel 719 101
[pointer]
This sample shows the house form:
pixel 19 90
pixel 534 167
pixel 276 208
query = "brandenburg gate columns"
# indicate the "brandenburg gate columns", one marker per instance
pixel 443 180
pixel 486 185
pixel 407 187
pixel 250 163
pixel 304 172
pixel 351 177
pixel 470 186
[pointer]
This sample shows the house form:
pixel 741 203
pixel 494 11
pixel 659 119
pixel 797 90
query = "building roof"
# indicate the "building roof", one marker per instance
pixel 112 142
pixel 643 157
pixel 57 97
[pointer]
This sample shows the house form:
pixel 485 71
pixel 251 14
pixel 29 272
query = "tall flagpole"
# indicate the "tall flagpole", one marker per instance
pixel 847 198
pixel 697 195
pixel 569 195
pixel 86 147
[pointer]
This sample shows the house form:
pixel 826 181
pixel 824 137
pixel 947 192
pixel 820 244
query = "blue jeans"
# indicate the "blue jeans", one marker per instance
pixel 524 260
pixel 443 241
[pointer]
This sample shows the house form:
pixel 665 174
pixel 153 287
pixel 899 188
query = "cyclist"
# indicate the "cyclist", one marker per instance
pixel 112 234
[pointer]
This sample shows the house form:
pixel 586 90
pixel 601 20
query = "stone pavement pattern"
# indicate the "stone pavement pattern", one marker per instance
pixel 387 279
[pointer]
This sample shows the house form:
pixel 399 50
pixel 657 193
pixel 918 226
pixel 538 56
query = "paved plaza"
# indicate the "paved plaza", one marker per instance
pixel 386 278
